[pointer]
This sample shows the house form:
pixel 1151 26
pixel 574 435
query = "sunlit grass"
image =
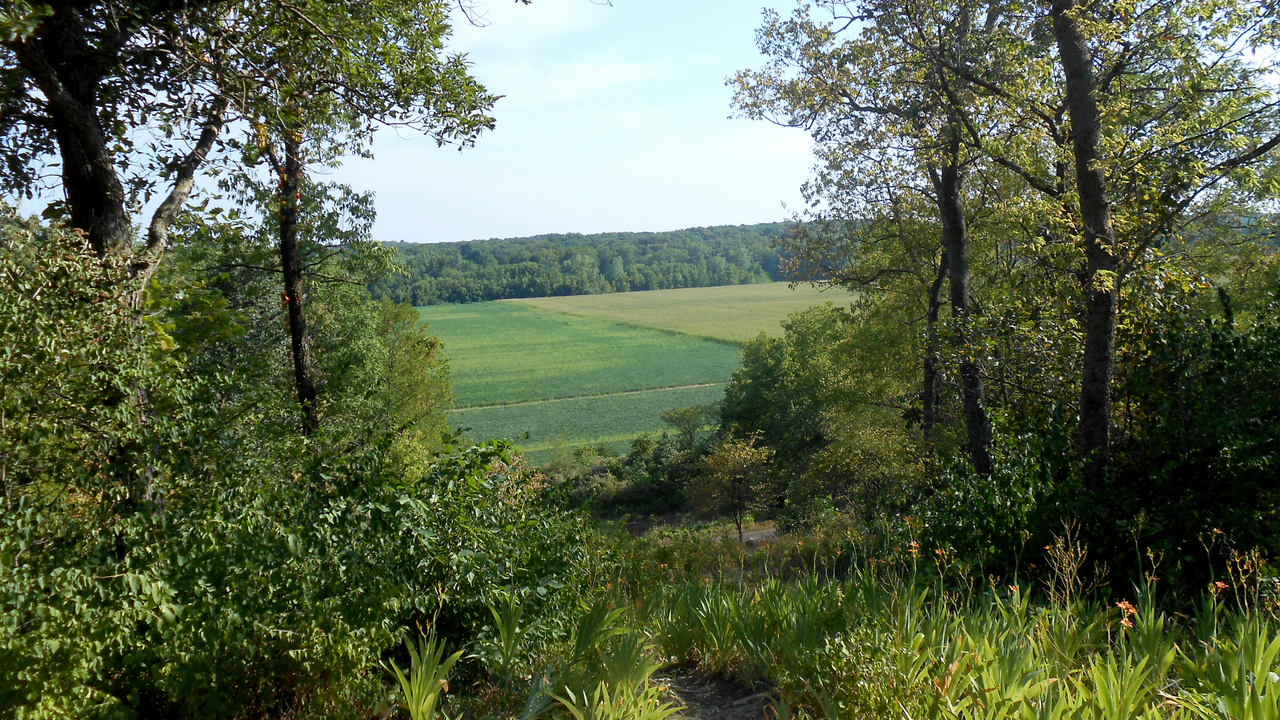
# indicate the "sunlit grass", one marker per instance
pixel 612 419
pixel 731 313
pixel 502 353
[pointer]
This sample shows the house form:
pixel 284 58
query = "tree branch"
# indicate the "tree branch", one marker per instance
pixel 1232 163
pixel 184 181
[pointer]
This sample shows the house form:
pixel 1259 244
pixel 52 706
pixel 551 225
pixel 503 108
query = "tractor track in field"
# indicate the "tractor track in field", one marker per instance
pixel 587 397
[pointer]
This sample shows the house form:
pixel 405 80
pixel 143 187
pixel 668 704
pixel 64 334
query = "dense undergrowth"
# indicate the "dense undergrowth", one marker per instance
pixel 877 645
pixel 173 546
pixel 829 632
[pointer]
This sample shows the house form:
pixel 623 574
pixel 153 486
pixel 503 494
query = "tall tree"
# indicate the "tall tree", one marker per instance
pixel 1099 238
pixel 1133 119
pixel 321 79
pixel 885 113
pixel 79 77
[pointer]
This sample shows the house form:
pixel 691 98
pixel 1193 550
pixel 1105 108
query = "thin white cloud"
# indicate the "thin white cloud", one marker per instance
pixel 528 85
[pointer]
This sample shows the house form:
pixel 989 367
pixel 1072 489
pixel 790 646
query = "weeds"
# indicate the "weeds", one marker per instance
pixel 887 645
pixel 511 634
pixel 606 672
pixel 428 677
pixel 891 640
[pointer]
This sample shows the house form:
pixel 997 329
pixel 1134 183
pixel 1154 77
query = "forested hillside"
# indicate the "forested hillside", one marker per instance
pixel 549 265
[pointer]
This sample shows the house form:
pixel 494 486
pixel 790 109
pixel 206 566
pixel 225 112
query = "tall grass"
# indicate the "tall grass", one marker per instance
pixel 829 636
pixel 884 644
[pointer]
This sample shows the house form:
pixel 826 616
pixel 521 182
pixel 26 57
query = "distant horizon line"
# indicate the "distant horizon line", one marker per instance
pixel 582 234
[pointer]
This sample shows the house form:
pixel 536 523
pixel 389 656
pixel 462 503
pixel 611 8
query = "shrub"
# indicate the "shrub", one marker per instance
pixel 171 547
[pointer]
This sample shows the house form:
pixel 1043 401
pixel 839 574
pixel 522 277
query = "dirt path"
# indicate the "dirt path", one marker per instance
pixel 714 698
pixel 756 536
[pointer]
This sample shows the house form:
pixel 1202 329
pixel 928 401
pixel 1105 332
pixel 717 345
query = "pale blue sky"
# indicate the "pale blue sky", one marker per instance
pixel 614 118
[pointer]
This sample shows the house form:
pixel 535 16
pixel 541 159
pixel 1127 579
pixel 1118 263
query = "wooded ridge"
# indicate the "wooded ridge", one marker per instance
pixel 574 264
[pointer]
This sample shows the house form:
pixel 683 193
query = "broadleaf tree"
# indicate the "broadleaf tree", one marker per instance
pixel 888 120
pixel 322 78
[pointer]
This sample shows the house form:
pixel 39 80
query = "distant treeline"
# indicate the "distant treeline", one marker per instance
pixel 550 265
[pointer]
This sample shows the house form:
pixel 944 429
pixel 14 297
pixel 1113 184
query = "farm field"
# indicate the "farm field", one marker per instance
pixel 732 313
pixel 503 353
pixel 614 420
pixel 602 368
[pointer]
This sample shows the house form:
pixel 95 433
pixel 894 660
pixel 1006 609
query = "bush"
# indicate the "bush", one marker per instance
pixel 171 547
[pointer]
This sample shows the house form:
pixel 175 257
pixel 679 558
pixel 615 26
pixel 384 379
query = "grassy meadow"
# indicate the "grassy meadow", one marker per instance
pixel 733 313
pixel 601 368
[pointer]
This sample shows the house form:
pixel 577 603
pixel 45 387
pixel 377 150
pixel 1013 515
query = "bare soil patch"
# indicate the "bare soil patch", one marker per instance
pixel 709 697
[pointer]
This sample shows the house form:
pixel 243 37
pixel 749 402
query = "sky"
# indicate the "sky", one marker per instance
pixel 614 118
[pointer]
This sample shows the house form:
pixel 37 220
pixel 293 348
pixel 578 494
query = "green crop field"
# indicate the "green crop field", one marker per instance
pixel 503 353
pixel 611 419
pixel 733 313
pixel 600 368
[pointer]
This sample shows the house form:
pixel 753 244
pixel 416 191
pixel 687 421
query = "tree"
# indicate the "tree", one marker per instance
pixel 733 471
pixel 1168 111
pixel 80 77
pixel 688 421
pixel 887 118
pixel 785 383
pixel 321 78
pixel 1103 131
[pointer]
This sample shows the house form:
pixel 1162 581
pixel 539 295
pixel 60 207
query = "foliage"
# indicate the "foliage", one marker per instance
pixel 734 469
pixel 510 634
pixel 1182 139
pixel 549 265
pixel 869 471
pixel 690 420
pixel 781 387
pixel 67 370
pixel 893 641
pixel 1201 429
pixel 79 80
pixel 428 677
pixel 649 480
pixel 830 399
pixel 626 703
pixel 190 554
pixel 332 73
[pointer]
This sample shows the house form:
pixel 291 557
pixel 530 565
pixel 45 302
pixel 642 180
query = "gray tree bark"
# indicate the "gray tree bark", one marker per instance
pixel 929 394
pixel 1093 441
pixel 956 240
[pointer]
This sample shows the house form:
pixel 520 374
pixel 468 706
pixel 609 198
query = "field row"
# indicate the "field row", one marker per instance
pixel 614 420
pixel 503 353
pixel 571 371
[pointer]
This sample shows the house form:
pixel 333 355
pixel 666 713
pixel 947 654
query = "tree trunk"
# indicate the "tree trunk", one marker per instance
pixel 68 73
pixel 291 268
pixel 929 395
pixel 145 265
pixel 955 238
pixel 1093 441
pixel 67 63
